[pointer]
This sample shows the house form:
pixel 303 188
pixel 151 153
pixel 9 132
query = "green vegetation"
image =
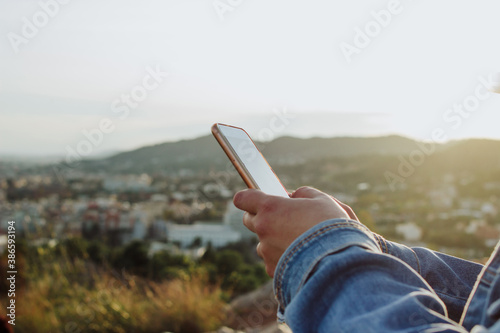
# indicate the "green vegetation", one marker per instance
pixel 449 198
pixel 80 286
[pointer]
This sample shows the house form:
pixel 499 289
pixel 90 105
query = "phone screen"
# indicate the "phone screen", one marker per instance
pixel 251 159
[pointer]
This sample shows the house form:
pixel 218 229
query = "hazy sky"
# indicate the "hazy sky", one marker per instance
pixel 131 73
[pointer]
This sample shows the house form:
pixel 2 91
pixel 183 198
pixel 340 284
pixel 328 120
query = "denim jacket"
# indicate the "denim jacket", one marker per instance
pixel 340 277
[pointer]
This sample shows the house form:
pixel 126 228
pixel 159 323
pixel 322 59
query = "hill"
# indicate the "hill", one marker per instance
pixel 204 153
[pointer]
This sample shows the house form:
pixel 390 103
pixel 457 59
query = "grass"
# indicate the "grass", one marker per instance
pixel 59 294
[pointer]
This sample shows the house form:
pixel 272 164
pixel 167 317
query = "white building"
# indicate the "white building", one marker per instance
pixel 234 218
pixel 127 183
pixel 156 247
pixel 215 233
pixel 139 230
pixel 489 209
pixel 410 231
pixel 443 197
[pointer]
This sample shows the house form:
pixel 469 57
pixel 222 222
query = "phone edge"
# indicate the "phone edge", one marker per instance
pixel 238 165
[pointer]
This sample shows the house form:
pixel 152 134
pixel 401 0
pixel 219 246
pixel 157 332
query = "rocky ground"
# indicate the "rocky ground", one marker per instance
pixel 254 313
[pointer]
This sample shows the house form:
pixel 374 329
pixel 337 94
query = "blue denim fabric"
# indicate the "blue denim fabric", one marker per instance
pixel 340 277
pixel 451 278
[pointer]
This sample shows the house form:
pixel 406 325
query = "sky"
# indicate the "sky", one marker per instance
pixel 90 77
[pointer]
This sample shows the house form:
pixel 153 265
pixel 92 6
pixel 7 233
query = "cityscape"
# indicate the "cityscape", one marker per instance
pixel 149 221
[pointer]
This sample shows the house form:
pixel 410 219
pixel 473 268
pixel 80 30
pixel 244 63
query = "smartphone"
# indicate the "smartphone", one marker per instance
pixel 248 160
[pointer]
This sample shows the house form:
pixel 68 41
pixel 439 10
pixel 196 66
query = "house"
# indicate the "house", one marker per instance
pixel 410 231
pixel 217 234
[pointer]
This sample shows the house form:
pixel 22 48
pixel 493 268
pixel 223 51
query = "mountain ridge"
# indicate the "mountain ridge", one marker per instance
pixel 204 153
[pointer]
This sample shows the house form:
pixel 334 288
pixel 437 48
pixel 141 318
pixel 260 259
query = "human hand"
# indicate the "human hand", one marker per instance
pixel 278 221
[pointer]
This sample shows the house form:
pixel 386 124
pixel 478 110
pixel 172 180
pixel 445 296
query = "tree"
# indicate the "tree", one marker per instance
pixel 228 261
pixel 75 247
pixel 210 255
pixel 165 265
pixel 97 251
pixel 134 258
pixel 197 242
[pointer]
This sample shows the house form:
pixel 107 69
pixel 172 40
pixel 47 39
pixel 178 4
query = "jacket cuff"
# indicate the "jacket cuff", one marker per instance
pixel 400 251
pixel 298 262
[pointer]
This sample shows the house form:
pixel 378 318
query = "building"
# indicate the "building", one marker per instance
pixel 410 231
pixel 215 233
pixel 133 183
pixel 234 218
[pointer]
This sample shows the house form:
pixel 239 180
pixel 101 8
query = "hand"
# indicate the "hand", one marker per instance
pixel 278 221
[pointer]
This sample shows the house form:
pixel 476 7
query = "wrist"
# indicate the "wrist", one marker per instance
pixel 302 256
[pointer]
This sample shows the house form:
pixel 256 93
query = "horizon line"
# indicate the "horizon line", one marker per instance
pixel 111 152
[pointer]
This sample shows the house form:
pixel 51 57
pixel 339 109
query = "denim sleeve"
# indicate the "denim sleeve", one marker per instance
pixel 450 277
pixel 335 278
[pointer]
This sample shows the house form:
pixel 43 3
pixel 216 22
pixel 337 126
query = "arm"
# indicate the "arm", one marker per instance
pixel 450 277
pixel 351 286
pixel 334 274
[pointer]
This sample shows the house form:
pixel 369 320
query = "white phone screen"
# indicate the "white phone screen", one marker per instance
pixel 253 161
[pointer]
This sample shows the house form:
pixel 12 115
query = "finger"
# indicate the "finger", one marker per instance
pixel 249 200
pixel 306 192
pixel 269 256
pixel 248 221
pixel 270 269
pixel 348 209
pixel 259 250
pixel 270 262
